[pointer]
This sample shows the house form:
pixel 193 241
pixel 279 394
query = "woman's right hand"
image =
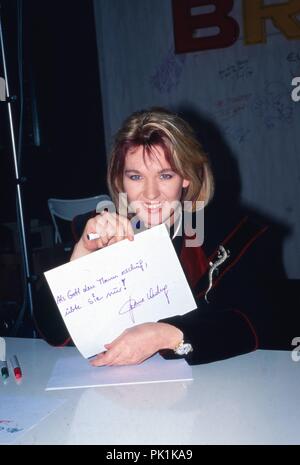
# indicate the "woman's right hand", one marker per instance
pixel 111 228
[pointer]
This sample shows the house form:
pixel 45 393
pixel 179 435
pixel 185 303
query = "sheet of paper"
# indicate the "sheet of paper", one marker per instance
pixel 75 372
pixel 128 283
pixel 18 414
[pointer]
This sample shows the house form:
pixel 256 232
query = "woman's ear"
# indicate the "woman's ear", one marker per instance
pixel 185 183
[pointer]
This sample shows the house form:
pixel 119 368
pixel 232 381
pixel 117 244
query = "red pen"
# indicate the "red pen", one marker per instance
pixel 16 367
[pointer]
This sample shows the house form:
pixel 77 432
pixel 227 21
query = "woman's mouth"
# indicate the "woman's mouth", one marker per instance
pixel 153 206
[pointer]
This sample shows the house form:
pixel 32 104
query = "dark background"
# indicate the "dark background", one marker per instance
pixel 63 144
pixel 63 152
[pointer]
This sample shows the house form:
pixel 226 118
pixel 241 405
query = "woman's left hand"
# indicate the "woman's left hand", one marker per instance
pixel 138 343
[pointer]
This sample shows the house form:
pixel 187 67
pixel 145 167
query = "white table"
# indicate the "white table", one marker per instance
pixel 250 399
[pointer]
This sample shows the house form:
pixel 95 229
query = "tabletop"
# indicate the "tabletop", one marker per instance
pixel 249 399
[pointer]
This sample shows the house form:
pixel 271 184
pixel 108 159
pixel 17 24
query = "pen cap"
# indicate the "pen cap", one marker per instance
pixel 16 367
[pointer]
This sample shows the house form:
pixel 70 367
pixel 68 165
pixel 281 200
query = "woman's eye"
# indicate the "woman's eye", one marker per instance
pixel 166 176
pixel 135 177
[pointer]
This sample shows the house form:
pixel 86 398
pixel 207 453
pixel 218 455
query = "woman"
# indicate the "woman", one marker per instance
pixel 158 163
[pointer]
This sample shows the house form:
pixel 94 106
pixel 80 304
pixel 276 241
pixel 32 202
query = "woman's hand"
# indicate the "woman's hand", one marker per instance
pixel 111 228
pixel 138 343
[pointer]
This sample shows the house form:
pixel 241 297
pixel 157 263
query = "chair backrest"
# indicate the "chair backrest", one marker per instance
pixel 67 209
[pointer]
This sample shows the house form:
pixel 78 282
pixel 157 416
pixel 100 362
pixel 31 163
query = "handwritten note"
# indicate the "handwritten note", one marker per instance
pixel 125 284
pixel 18 414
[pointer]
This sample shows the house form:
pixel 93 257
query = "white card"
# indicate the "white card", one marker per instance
pixel 117 287
pixel 74 372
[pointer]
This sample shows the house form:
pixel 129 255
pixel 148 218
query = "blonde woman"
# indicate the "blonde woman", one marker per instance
pixel 159 173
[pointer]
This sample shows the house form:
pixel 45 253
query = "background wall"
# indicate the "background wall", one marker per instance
pixel 240 95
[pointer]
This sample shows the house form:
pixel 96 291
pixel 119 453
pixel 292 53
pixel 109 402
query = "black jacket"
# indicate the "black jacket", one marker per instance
pixel 247 309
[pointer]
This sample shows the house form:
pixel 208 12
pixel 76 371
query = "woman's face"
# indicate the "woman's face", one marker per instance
pixel 151 185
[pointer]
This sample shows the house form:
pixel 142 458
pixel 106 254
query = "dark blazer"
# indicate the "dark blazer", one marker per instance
pixel 246 308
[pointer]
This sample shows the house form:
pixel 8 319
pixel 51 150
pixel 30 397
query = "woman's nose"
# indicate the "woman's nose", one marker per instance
pixel 151 190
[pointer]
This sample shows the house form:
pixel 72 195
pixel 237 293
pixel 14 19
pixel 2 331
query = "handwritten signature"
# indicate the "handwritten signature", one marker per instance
pixel 131 304
pixel 158 290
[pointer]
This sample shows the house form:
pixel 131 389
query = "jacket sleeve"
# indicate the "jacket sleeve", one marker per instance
pixel 246 310
pixel 48 321
pixel 213 335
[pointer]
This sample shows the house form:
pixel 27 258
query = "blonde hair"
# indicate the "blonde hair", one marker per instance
pixel 158 126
